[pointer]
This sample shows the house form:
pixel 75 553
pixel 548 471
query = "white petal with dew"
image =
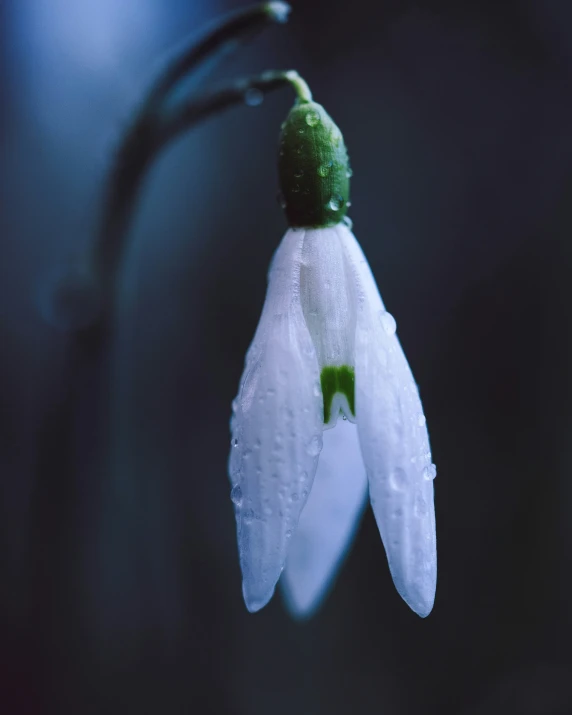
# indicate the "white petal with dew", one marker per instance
pixel 276 429
pixel 394 442
pixel 327 297
pixel 328 522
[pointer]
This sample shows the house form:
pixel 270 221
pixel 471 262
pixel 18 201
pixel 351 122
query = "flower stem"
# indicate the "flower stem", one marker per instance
pixel 152 126
pixel 190 111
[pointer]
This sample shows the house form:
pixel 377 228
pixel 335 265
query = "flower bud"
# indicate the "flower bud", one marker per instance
pixel 313 168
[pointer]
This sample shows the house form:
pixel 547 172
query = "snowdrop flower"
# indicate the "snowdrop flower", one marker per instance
pixel 326 348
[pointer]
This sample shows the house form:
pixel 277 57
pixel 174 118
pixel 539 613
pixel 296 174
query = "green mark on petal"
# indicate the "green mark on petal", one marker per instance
pixel 337 379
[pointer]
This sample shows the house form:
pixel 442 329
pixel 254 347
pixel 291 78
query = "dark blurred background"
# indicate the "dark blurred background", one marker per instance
pixel 120 588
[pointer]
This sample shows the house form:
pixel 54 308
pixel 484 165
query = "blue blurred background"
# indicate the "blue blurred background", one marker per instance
pixel 120 588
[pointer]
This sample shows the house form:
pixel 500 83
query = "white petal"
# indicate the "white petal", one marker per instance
pixel 276 429
pixel 394 442
pixel 327 297
pixel 328 522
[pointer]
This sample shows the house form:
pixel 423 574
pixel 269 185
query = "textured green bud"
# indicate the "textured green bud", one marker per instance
pixel 313 168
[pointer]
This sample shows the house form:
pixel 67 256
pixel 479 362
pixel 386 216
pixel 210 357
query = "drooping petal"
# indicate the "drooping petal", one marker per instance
pixel 276 429
pixel 328 522
pixel 329 308
pixel 394 442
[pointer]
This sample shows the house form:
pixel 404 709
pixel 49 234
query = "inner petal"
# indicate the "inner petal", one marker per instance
pixel 328 305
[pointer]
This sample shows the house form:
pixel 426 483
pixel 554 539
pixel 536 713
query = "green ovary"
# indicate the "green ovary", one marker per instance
pixel 337 379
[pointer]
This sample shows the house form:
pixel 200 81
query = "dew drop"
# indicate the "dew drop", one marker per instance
pixel 314 446
pixel 349 173
pixel 312 118
pixel 430 472
pixel 299 173
pixel 344 418
pixel 303 476
pixel 301 131
pixel 296 189
pixel 398 479
pixel 235 442
pixel 420 507
pixel 295 497
pixel 304 493
pixel 253 97
pixel 323 170
pixel 334 204
pixel 421 419
pixel 288 534
pixel 387 322
pixel 348 222
pixel 248 517
pixel 236 495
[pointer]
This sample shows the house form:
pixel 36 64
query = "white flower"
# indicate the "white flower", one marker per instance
pixel 299 485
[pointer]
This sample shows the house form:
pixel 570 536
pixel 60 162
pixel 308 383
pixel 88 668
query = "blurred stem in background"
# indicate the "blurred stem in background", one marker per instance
pixel 85 299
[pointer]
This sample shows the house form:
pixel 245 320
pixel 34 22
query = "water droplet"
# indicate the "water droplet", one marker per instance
pixel 296 189
pixel 248 517
pixel 303 476
pixel 295 497
pixel 288 534
pixel 349 173
pixel 387 322
pixel 253 97
pixel 344 417
pixel 348 204
pixel 312 118
pixel 314 446
pixel 236 495
pixel 301 131
pixel 304 493
pixel 348 222
pixel 235 442
pixel 398 479
pixel 335 203
pixel 298 173
pixel 420 507
pixel 323 170
pixel 430 472
pixel 421 419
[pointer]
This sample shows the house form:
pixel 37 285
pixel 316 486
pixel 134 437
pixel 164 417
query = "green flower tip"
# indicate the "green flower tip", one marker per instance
pixel 278 11
pixel 313 167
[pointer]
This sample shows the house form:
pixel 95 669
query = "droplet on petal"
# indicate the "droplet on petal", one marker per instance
pixel 430 472
pixel 236 495
pixel 387 322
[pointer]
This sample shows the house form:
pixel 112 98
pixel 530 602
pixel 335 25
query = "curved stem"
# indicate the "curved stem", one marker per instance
pixel 144 139
pixel 236 28
pixel 190 111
